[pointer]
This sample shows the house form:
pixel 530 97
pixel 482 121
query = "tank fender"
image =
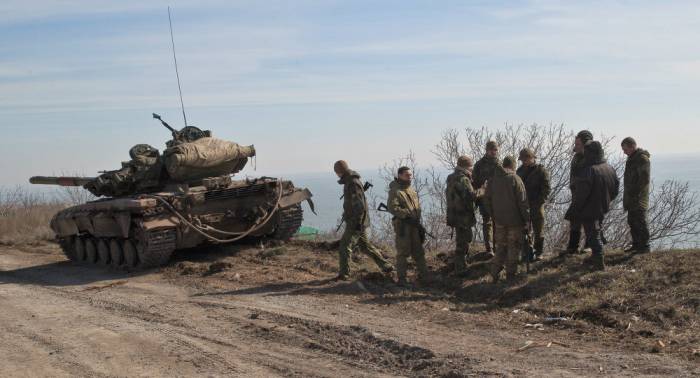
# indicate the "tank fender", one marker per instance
pixel 84 222
pixel 106 225
pixel 297 197
pixel 124 221
pixel 64 226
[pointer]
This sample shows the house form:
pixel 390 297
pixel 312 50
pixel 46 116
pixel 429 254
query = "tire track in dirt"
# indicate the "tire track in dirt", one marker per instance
pixel 68 363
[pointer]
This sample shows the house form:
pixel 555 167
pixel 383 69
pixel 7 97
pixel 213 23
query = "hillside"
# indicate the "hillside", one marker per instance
pixel 274 311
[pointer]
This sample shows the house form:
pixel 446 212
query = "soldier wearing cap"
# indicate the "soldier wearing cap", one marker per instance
pixel 636 194
pixel 536 179
pixel 483 171
pixel 460 199
pixel 506 201
pixel 356 217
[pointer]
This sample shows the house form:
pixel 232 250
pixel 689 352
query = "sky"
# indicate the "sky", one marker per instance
pixel 310 82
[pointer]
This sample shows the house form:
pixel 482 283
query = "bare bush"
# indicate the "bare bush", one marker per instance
pixel 674 214
pixel 25 216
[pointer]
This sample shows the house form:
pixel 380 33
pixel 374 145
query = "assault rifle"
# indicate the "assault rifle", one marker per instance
pixel 412 221
pixel 528 253
pixel 365 188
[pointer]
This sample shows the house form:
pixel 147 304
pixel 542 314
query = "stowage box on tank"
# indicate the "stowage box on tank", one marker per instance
pixel 186 197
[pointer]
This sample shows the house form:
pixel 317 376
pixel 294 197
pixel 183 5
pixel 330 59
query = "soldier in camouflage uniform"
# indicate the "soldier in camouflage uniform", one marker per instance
pixel 577 165
pixel 404 205
pixel 506 201
pixel 483 171
pixel 536 179
pixel 636 194
pixel 460 196
pixel 356 217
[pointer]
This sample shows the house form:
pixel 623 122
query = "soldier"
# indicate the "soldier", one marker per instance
pixel 577 164
pixel 636 194
pixel 460 196
pixel 536 179
pixel 596 186
pixel 483 171
pixel 405 207
pixel 506 201
pixel 356 218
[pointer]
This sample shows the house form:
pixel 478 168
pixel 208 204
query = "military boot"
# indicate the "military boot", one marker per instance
pixel 642 250
pixel 595 261
pixel 631 249
pixel 539 246
pixel 459 265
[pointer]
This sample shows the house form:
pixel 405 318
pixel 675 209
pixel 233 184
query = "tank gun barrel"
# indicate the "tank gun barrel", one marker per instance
pixel 61 180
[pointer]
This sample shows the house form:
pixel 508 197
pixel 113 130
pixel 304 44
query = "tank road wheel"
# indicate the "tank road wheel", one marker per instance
pixel 79 249
pixel 130 255
pixel 68 246
pixel 102 252
pixel 115 253
pixel 90 251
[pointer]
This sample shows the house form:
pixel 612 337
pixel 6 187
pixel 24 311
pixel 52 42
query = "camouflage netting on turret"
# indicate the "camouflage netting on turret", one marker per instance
pixel 143 173
pixel 205 157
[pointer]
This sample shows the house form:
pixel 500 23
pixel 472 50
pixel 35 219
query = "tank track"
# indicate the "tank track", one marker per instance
pixel 148 250
pixel 288 222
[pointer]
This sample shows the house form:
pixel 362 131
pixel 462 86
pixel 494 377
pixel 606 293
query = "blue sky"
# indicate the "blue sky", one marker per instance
pixel 309 82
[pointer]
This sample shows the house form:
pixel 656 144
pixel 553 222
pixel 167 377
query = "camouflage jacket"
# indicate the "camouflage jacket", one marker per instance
pixel 355 212
pixel 403 201
pixel 536 180
pixel 483 170
pixel 506 199
pixel 460 196
pixel 637 178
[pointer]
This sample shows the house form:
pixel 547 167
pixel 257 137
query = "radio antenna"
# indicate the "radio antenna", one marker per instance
pixel 179 88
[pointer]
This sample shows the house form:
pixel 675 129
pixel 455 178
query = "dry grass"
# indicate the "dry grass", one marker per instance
pixel 649 302
pixel 25 216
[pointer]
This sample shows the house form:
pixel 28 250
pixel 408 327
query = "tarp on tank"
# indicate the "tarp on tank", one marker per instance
pixel 205 157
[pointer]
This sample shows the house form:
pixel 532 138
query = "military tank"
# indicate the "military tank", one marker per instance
pixel 185 197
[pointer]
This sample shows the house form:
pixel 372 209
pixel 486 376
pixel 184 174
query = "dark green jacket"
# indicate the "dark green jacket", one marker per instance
pixel 355 211
pixel 460 197
pixel 637 179
pixel 536 180
pixel 596 185
pixel 483 170
pixel 506 199
pixel 577 164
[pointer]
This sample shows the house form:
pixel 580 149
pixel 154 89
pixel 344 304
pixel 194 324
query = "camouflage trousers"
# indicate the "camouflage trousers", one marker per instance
pixel 487 226
pixel 354 238
pixel 537 222
pixel 409 243
pixel 463 236
pixel 509 245
pixel 637 220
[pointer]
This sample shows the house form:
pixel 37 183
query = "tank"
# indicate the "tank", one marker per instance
pixel 157 204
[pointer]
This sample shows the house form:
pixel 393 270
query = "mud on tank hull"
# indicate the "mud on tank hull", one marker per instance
pixel 143 231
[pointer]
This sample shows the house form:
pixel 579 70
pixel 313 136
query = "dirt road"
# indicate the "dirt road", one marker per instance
pixel 247 312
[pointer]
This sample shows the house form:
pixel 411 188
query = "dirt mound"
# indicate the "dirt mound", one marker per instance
pixel 649 302
pixel 362 346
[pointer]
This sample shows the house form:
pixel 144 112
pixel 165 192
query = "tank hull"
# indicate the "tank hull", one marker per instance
pixel 143 231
